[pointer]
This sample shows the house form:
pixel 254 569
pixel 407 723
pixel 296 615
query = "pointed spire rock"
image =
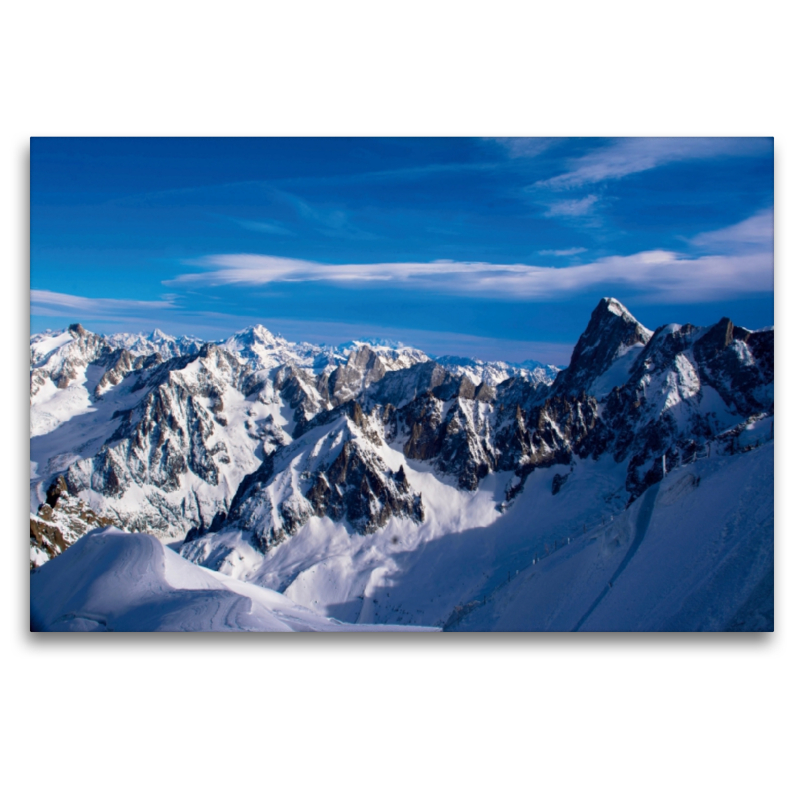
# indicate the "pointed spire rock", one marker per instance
pixel 611 330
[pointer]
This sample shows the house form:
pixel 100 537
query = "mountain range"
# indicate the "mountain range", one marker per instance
pixel 373 484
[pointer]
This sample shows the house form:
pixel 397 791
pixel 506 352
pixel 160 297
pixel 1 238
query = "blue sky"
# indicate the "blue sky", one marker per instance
pixel 495 248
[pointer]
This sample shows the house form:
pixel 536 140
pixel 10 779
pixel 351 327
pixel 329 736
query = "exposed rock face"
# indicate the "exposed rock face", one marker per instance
pixel 47 541
pixel 363 368
pixel 550 433
pixel 55 491
pixel 359 487
pixel 121 363
pixel 64 364
pixel 168 436
pixel 60 522
pixel 558 482
pixel 331 471
pixel 454 432
pixel 298 390
pixel 422 419
pixel 404 386
pixel 651 400
pixel 738 364
pixel 179 423
pixel 173 434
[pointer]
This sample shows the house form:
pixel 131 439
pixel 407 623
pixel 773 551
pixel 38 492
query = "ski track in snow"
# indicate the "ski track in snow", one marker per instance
pixel 642 521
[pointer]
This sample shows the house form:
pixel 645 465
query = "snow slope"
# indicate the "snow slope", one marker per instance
pixel 694 552
pixel 115 581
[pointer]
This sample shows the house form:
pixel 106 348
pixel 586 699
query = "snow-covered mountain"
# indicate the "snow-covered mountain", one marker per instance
pixel 162 444
pixel 374 484
pixel 493 373
pixel 142 344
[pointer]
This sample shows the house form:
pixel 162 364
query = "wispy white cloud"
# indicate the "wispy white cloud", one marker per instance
pixel 757 231
pixel 334 222
pixel 570 251
pixel 658 275
pixel 111 315
pixel 262 226
pixel 629 156
pixel 572 208
pixel 49 303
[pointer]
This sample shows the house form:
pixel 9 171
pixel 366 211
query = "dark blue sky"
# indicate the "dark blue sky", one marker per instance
pixel 485 247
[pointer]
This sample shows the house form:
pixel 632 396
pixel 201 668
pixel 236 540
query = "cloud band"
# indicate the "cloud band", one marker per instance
pixel 657 276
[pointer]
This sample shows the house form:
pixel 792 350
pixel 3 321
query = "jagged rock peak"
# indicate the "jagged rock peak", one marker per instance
pixel 613 306
pixel 719 336
pixel 362 369
pixel 612 330
pixel 361 356
pixel 77 330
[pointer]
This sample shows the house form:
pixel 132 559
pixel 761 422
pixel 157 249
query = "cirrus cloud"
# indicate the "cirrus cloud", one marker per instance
pixel 572 208
pixel 126 312
pixel 570 251
pixel 629 156
pixel 655 276
pixel 49 303
pixel 757 231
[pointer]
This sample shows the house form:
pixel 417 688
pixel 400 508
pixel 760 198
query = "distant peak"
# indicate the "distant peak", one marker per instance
pixel 370 341
pixel 379 342
pixel 256 332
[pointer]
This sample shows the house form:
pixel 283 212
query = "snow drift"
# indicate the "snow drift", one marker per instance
pixel 110 580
